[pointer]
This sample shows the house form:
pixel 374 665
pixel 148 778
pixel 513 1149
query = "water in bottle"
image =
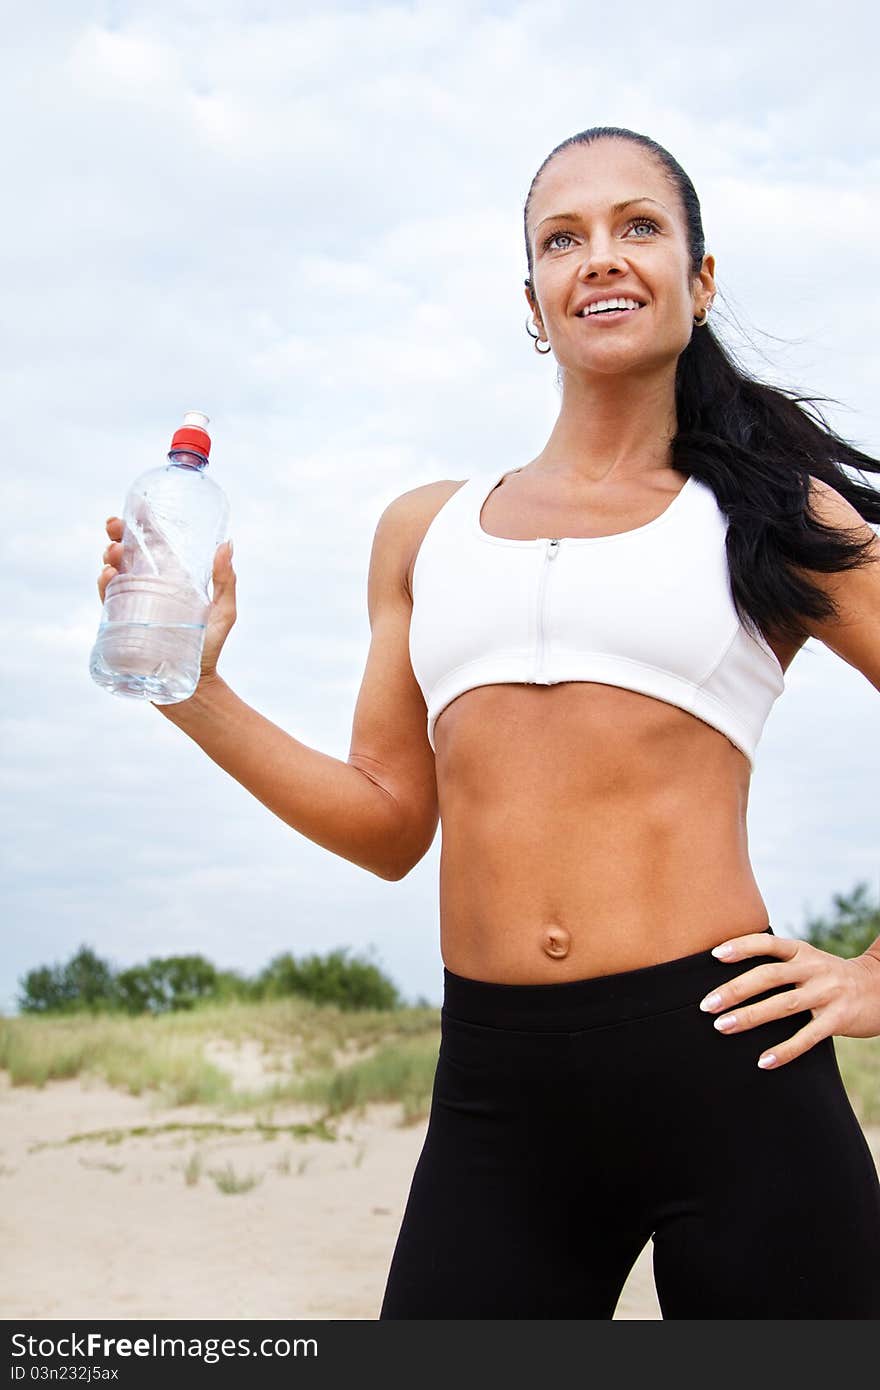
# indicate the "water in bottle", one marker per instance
pixel 149 643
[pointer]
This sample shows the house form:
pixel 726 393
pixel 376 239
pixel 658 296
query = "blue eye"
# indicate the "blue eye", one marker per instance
pixel 643 222
pixel 552 237
pixel 633 222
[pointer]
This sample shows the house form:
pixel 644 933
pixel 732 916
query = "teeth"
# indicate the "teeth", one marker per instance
pixel 610 304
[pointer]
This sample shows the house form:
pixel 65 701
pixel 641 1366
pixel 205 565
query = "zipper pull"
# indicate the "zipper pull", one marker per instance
pixel 553 548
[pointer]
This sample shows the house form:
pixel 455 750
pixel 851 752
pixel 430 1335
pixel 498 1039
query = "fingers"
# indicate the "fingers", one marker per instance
pixel 223 562
pixel 115 528
pixel 780 1005
pixel 744 985
pixel 223 579
pixel 795 1046
pixel 112 557
pixel 104 578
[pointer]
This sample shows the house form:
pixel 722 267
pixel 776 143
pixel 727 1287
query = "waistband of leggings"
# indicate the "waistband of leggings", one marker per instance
pixel 593 1002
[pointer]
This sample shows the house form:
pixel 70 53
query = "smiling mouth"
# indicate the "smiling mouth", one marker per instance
pixel 609 313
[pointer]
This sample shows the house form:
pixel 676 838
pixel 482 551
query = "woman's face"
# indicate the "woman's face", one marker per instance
pixel 584 247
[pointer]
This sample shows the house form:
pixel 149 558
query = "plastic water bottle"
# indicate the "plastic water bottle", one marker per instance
pixel 152 632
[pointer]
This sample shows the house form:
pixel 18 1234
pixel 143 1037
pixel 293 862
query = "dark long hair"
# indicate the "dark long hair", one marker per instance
pixel 756 448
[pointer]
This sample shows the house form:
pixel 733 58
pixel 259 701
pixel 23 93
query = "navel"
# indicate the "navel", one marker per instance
pixel 557 941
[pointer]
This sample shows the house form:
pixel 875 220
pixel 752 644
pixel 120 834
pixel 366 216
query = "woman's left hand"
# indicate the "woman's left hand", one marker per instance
pixel 843 994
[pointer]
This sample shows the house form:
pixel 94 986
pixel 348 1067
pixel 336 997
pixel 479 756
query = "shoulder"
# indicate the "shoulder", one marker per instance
pixel 411 506
pixel 853 632
pixel 831 508
pixel 406 518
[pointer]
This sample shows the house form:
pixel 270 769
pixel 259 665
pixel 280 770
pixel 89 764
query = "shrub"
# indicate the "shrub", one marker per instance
pixel 164 985
pixel 331 979
pixel 177 982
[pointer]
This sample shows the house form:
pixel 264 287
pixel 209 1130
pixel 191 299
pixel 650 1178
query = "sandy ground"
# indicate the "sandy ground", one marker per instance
pixel 95 1229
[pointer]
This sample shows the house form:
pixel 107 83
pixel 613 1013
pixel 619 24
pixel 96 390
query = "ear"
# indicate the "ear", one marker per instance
pixel 704 283
pixel 533 304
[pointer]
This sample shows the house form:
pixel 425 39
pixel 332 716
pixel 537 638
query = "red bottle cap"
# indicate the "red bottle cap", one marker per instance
pixel 192 434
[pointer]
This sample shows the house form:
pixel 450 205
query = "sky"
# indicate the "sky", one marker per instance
pixel 307 222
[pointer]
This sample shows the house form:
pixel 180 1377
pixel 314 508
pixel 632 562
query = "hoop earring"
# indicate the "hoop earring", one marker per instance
pixel 700 323
pixel 536 340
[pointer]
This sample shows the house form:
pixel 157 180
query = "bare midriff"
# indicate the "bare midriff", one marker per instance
pixel 586 829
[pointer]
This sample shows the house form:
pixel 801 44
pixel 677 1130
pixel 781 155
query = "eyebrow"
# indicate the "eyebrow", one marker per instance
pixel 616 207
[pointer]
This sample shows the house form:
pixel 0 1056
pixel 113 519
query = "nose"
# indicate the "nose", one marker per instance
pixel 601 260
pixel 598 265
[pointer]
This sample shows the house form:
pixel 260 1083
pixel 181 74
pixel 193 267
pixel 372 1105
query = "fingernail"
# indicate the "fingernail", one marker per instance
pixel 767 1061
pixel 710 1002
pixel 721 950
pixel 728 1021
pixel 229 543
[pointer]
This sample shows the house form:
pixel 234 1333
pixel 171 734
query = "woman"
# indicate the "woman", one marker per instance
pixel 597 638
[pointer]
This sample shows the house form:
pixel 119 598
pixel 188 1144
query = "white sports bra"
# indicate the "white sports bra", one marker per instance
pixel 648 609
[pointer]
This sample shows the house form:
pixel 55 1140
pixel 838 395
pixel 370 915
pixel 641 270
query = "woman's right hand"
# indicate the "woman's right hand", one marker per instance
pixel 222 613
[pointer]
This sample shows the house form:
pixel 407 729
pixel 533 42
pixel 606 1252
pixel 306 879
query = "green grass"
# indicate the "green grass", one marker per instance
pixel 188 1131
pixel 228 1181
pixel 390 1055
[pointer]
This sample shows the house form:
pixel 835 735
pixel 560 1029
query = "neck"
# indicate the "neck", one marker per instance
pixel 609 426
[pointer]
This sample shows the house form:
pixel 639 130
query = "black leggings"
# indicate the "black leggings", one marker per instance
pixel 572 1122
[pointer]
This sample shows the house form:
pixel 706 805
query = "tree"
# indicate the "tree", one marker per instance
pixel 88 979
pixel 853 929
pixel 85 982
pixel 42 991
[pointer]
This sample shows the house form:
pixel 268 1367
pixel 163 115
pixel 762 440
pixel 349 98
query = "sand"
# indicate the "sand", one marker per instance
pixel 94 1229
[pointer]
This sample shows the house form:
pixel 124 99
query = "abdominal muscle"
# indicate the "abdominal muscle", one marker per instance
pixel 586 829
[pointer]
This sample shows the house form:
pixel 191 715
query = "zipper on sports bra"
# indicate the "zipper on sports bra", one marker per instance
pixel 550 553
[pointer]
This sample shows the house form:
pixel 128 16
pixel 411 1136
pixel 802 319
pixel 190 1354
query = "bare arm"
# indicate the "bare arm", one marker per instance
pixel 325 799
